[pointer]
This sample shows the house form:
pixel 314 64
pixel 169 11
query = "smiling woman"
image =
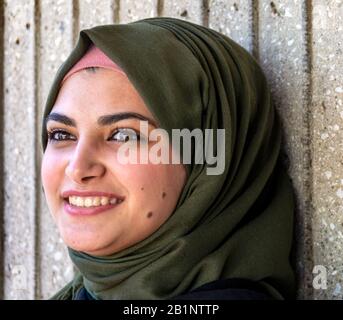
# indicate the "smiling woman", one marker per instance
pixel 166 230
pixel 81 176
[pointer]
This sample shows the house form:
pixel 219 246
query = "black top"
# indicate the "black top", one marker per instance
pixel 224 289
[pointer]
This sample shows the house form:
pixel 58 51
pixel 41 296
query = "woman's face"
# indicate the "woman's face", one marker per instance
pixel 82 157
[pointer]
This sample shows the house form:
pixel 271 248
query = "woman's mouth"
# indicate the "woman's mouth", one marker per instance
pixel 76 205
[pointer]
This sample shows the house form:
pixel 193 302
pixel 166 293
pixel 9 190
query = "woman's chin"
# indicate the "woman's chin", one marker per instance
pixel 85 237
pixel 88 243
pixel 83 246
pixel 97 251
pixel 93 247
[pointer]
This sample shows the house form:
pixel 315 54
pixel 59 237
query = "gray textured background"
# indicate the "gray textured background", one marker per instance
pixel 299 45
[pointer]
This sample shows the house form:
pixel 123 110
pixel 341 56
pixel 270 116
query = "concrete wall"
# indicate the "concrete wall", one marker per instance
pixel 299 45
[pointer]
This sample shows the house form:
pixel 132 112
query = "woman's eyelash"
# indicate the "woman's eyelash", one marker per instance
pixel 122 131
pixel 52 134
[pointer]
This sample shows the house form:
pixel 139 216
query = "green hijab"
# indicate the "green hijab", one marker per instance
pixel 238 224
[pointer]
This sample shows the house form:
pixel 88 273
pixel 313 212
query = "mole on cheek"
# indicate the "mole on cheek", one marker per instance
pixel 163 194
pixel 149 215
pixel 142 188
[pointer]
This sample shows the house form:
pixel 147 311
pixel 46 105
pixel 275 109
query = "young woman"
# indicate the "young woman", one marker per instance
pixel 167 230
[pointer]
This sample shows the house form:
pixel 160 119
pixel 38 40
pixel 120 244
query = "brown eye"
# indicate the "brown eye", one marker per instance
pixel 125 134
pixel 58 135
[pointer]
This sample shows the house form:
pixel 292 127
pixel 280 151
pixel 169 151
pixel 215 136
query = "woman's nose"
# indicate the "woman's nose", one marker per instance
pixel 84 164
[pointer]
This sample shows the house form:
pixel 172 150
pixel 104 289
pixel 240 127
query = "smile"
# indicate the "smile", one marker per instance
pixel 85 206
pixel 92 201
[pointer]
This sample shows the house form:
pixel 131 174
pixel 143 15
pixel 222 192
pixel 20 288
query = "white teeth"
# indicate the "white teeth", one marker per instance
pixel 92 201
pixel 104 201
pixel 88 202
pixel 96 201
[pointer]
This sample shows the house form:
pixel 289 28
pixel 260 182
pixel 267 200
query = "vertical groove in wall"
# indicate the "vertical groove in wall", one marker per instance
pixel 304 224
pixel 205 13
pixel 37 149
pixel 116 11
pixel 254 18
pixel 2 198
pixel 76 20
pixel 160 7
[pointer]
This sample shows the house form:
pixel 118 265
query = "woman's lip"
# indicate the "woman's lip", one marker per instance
pixel 86 211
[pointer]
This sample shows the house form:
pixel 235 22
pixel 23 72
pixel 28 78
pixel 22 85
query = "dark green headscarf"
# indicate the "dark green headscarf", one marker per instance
pixel 235 225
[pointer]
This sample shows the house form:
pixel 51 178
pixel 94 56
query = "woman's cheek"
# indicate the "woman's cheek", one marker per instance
pixel 51 177
pixel 151 174
pixel 145 183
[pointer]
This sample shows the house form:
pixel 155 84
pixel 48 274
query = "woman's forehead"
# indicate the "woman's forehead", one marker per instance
pixel 99 92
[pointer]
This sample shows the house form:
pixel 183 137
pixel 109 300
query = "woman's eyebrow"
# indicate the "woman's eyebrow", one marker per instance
pixel 105 120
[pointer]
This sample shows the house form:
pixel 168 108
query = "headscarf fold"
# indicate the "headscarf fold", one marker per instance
pixel 237 224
